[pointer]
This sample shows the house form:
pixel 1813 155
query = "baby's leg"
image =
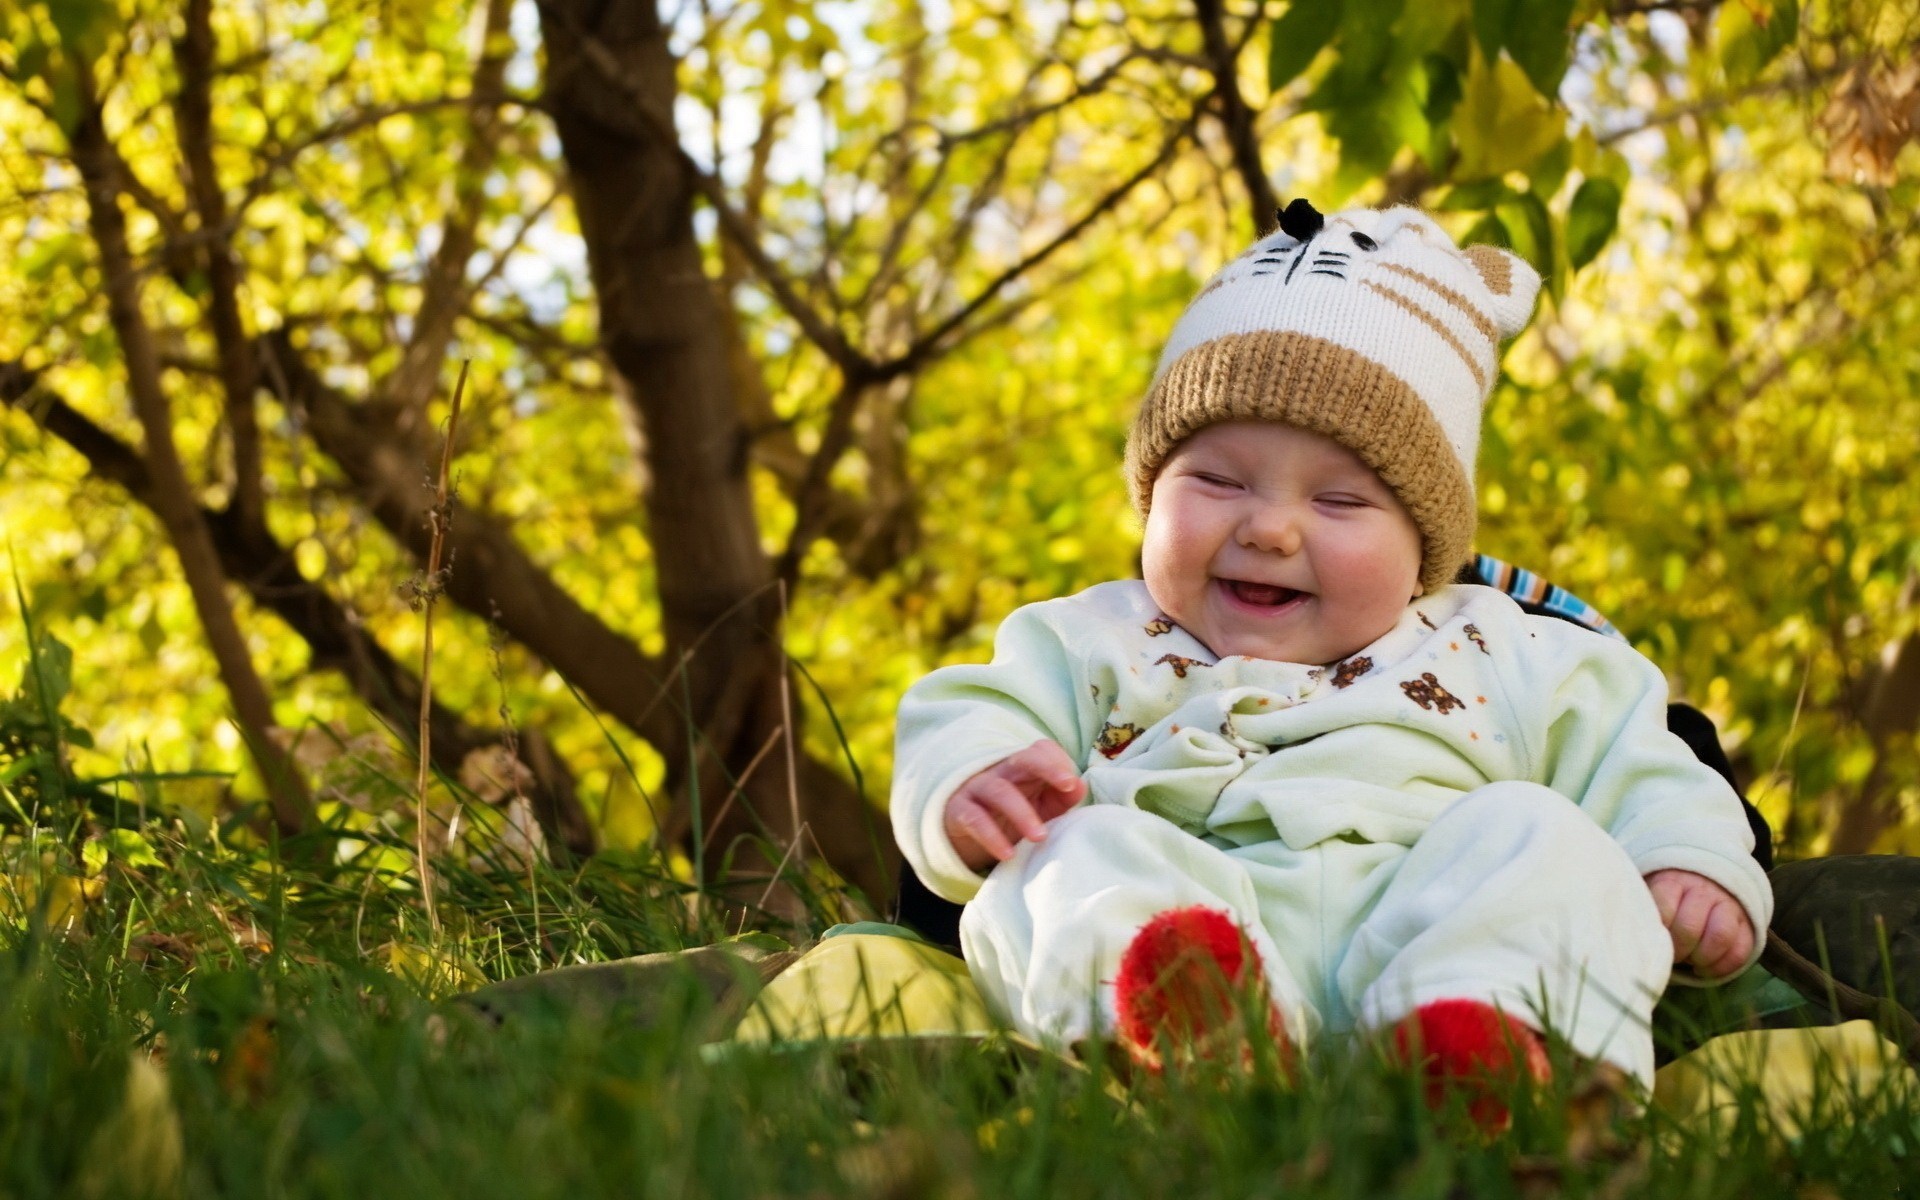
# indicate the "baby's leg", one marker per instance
pixel 1517 898
pixel 1044 937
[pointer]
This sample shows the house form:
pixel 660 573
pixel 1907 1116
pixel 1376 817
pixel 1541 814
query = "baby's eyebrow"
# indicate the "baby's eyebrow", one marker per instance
pixel 1362 479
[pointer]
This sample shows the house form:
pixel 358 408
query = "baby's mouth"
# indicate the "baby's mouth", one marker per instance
pixel 1261 595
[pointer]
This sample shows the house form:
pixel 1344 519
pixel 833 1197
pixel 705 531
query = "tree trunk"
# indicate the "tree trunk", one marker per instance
pixel 174 501
pixel 664 331
pixel 1892 712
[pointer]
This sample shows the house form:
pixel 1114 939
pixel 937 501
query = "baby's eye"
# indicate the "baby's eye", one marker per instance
pixel 1342 500
pixel 1214 480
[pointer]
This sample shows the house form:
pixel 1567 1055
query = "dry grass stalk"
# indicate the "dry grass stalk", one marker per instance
pixel 437 520
pixel 786 723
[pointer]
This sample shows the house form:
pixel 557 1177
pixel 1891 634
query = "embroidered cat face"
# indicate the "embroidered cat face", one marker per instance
pixel 1392 286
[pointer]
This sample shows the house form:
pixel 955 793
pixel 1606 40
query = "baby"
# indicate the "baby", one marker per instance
pixel 1296 749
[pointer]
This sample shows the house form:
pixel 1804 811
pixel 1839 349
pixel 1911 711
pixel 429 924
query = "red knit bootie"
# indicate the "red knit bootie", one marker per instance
pixel 1184 980
pixel 1473 1047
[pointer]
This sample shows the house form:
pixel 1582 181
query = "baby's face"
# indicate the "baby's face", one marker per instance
pixel 1267 541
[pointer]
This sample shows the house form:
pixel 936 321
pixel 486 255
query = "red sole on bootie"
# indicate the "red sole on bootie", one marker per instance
pixel 1181 983
pixel 1471 1046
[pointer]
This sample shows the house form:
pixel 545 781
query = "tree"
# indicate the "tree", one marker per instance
pixel 799 343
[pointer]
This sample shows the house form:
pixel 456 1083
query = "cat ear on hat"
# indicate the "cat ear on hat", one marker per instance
pixel 1512 285
pixel 1300 220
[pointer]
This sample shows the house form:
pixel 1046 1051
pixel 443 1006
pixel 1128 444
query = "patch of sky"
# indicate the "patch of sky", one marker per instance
pixel 523 69
pixel 548 271
pixel 1669 31
pixel 1734 150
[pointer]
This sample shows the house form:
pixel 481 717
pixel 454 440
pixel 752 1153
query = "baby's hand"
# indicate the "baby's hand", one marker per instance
pixel 1710 930
pixel 1011 800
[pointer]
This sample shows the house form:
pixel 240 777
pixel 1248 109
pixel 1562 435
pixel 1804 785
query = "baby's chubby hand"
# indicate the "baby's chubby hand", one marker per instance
pixel 1709 927
pixel 1010 801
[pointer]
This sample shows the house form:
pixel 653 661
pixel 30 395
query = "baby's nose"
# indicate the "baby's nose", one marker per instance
pixel 1274 528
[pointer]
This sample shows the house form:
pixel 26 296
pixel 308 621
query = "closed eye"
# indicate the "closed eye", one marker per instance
pixel 1342 500
pixel 1219 481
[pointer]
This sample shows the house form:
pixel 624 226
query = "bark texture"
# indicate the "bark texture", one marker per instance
pixel 174 502
pixel 663 328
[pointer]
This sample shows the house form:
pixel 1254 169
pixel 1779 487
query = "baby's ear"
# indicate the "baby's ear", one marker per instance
pixel 1512 285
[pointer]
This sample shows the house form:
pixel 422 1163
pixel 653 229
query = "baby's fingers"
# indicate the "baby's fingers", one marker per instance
pixel 1047 763
pixel 1011 806
pixel 979 824
pixel 1726 942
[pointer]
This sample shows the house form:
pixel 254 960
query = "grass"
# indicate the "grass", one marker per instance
pixel 221 1026
pixel 186 1012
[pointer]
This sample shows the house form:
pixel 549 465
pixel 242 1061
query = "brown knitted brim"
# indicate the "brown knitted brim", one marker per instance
pixel 1325 388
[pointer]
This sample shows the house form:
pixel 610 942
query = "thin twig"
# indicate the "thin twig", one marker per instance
pixel 1807 978
pixel 786 721
pixel 438 521
pixel 740 785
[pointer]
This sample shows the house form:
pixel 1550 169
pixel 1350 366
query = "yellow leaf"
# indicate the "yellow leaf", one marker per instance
pixel 137 1151
pixel 1502 124
pixel 435 972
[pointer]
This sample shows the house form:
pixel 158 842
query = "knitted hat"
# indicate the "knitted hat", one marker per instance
pixel 1370 328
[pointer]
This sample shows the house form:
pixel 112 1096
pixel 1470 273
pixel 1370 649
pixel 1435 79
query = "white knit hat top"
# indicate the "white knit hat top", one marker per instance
pixel 1370 327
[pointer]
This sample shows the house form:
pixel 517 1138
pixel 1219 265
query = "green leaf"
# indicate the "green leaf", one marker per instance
pixel 1370 135
pixel 1443 88
pixel 1540 38
pixel 1549 171
pixel 1296 38
pixel 1493 22
pixel 152 637
pixel 82 26
pixel 1503 124
pixel 1368 38
pixel 48 673
pixel 1527 220
pixel 66 101
pixel 1478 194
pixel 1591 220
pixel 31 58
pixel 1489 230
pixel 48 253
pixel 130 848
pixel 1751 33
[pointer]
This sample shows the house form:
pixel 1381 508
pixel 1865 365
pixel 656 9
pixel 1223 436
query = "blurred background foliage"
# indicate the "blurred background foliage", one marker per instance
pixel 942 243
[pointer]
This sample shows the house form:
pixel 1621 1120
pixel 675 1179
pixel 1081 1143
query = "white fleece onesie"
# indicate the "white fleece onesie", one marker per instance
pixel 1463 809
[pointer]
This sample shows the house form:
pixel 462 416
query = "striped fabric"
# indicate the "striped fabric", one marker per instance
pixel 1537 595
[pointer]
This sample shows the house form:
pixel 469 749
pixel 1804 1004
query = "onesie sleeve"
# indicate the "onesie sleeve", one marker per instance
pixel 959 720
pixel 1603 742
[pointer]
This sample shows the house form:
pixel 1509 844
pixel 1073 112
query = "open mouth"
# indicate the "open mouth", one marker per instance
pixel 1260 595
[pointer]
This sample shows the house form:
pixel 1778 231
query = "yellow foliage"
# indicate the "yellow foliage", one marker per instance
pixel 435 972
pixel 136 1153
pixel 1801 1077
pixel 867 985
pixel 58 897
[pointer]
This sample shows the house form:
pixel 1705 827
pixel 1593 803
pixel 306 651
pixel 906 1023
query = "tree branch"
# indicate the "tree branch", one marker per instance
pixel 337 640
pixel 193 110
pixel 94 158
pixel 492 574
pixel 735 225
pixel 1236 118
pixel 943 339
pixel 443 291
